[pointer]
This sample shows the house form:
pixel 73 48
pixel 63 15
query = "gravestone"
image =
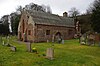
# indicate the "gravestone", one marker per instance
pixel 47 41
pixel 62 41
pixel 28 45
pixel 82 40
pixel 3 43
pixel 7 43
pixel 53 37
pixel 50 53
pixel 7 39
pixel 13 48
pixel 91 39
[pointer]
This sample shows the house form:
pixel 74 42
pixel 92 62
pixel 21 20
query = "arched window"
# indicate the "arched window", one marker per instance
pixel 29 32
pixel 47 32
pixel 58 33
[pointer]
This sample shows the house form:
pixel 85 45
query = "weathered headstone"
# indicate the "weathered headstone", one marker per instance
pixel 7 39
pixel 7 43
pixel 47 41
pixel 3 43
pixel 28 45
pixel 82 40
pixel 13 48
pixel 91 39
pixel 53 37
pixel 62 41
pixel 50 53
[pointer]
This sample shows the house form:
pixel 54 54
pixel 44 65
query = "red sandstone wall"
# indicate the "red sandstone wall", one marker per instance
pixel 40 32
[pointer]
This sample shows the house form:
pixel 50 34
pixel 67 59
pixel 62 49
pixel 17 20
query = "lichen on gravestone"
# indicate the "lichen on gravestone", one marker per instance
pixel 50 53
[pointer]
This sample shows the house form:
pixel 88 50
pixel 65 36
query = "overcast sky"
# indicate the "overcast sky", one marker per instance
pixel 57 6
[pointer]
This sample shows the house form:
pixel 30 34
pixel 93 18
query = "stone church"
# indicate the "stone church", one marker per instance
pixel 37 26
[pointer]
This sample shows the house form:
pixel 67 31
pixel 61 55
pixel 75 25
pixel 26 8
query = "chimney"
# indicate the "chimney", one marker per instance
pixel 65 14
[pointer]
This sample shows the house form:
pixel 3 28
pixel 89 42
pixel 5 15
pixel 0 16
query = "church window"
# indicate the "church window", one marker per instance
pixel 29 32
pixel 27 16
pixel 47 32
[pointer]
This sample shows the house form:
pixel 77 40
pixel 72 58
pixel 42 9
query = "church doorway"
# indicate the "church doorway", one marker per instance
pixel 58 37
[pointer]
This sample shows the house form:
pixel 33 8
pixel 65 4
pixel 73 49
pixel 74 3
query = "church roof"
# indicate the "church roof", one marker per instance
pixel 51 19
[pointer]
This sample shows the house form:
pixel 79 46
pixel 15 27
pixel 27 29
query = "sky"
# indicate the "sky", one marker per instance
pixel 57 6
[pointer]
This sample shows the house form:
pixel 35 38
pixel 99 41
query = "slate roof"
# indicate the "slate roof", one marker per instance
pixel 51 19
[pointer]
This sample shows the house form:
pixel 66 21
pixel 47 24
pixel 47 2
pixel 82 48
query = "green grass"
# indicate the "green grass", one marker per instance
pixel 69 54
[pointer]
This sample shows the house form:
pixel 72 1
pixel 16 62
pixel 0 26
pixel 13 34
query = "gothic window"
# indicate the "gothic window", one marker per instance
pixel 29 32
pixel 27 16
pixel 47 32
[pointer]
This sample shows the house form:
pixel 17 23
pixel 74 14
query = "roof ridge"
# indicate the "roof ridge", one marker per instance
pixel 40 17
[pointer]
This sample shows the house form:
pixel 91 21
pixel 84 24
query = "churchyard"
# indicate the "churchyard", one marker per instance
pixel 71 53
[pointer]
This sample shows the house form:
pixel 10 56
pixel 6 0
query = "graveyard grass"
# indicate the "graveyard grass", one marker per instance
pixel 69 54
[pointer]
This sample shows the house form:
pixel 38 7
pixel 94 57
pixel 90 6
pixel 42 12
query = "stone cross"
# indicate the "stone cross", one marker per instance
pixel 28 45
pixel 50 53
pixel 82 40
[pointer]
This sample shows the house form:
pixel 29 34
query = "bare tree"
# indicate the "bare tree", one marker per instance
pixel 95 17
pixel 19 9
pixel 33 6
pixel 73 12
pixel 37 7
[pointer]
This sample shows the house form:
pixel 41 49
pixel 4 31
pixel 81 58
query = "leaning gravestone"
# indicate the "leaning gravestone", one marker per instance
pixel 82 40
pixel 50 53
pixel 13 48
pixel 28 45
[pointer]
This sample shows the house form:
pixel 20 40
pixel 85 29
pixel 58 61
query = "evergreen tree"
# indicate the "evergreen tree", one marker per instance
pixel 15 18
pixel 95 18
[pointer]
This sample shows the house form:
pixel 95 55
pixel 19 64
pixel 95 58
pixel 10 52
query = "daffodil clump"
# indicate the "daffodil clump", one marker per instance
pixel 34 49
